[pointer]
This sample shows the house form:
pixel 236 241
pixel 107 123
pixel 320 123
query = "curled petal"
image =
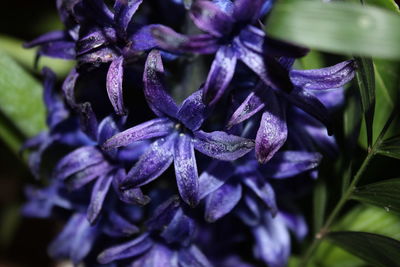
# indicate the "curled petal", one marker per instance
pixel 118 226
pixel 114 85
pixel 87 119
pixel 68 87
pixel 81 178
pixel 252 38
pixel 296 223
pixel 132 248
pixel 210 18
pixel 222 201
pixel 124 10
pixel 99 193
pixel 60 49
pixel 154 89
pixel 107 129
pixel 52 36
pixel 151 164
pixel 150 129
pixel 272 133
pixel 186 170
pixel 95 39
pixel 163 214
pixel 254 102
pixel 263 190
pixel 77 160
pixel 220 75
pixel 99 56
pixel 221 145
pixel 180 229
pixel 326 78
pixel 192 112
pixel 291 163
pixel 131 195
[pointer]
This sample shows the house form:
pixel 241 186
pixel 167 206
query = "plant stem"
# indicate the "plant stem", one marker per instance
pixel 325 228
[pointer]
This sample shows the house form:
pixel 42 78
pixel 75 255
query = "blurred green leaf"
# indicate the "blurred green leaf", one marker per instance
pixel 313 60
pixel 366 83
pixel 337 27
pixel 320 195
pixel 26 57
pixel 375 249
pixel 361 218
pixel 390 147
pixel 21 105
pixel 387 4
pixel 385 194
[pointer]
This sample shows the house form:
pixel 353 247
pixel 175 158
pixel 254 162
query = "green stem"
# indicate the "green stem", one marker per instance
pixel 325 228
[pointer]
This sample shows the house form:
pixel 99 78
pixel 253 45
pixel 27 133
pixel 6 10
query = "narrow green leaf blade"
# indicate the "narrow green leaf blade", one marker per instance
pixel 366 84
pixel 385 194
pixel 320 196
pixel 338 27
pixel 377 250
pixel 21 104
pixel 390 147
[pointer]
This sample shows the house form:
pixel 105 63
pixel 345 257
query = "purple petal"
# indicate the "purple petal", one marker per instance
pixel 247 10
pixel 310 104
pixel 186 170
pixel 81 178
pixel 117 226
pixel 192 112
pixel 124 10
pixel 272 133
pixel 291 163
pixel 214 177
pixel 263 190
pixel 154 89
pixel 52 36
pixel 155 128
pixel 163 214
pixel 272 242
pixel 326 78
pixel 221 145
pixel 222 201
pixel 201 44
pixel 101 55
pixel 77 160
pixel 152 163
pixel 95 39
pixel 210 18
pixel 252 38
pixel 250 212
pixel 254 102
pixel 331 98
pixel 296 223
pixel 220 75
pixel 131 195
pixel 60 49
pixel 99 193
pixel 107 129
pixel 158 256
pixel 114 85
pixel 68 87
pixel 179 230
pixel 192 257
pixel 130 249
pixel 87 119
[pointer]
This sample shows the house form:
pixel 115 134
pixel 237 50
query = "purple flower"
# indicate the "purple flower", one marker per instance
pixel 273 131
pixel 177 135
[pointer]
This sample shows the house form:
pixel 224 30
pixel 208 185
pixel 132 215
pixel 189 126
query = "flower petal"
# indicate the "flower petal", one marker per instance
pixel 158 256
pixel 254 102
pixel 99 193
pixel 214 177
pixel 87 119
pixel 68 87
pixel 221 145
pixel 124 10
pixel 220 75
pixel 222 201
pixel 131 195
pixel 129 249
pixel 118 226
pixel 95 39
pixel 210 18
pixel 154 89
pixel 179 230
pixel 290 163
pixel 272 133
pixel 192 257
pixel 107 129
pixel 99 56
pixel 83 177
pixel 193 111
pixel 262 189
pixel 77 160
pixel 326 78
pixel 114 85
pixel 151 164
pixel 154 128
pixel 186 170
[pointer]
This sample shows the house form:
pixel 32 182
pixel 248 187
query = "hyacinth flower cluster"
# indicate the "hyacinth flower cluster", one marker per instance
pixel 245 142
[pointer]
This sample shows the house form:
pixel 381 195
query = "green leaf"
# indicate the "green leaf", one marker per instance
pixel 26 57
pixel 320 195
pixel 337 27
pixel 385 194
pixel 366 83
pixel 22 113
pixel 387 4
pixel 360 218
pixel 390 147
pixel 375 249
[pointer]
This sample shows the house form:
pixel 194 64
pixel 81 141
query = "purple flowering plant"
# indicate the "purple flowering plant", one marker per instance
pixel 187 135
